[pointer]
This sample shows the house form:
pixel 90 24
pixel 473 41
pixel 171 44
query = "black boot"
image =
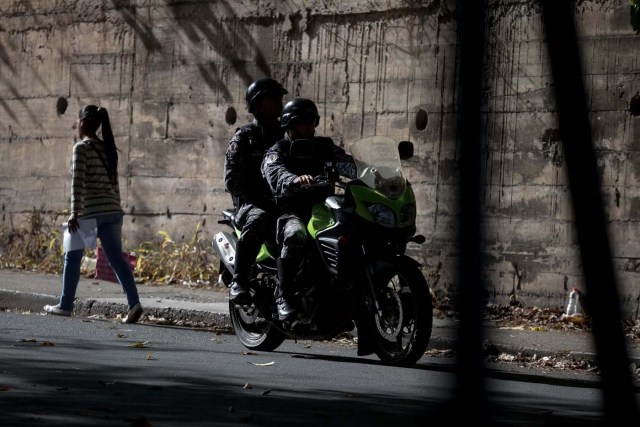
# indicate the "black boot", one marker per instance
pixel 239 292
pixel 286 272
pixel 246 252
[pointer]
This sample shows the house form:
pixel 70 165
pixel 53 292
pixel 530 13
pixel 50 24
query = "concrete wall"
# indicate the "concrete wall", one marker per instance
pixel 173 76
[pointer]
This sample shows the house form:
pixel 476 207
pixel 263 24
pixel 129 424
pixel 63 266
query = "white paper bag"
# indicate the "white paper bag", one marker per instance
pixel 85 236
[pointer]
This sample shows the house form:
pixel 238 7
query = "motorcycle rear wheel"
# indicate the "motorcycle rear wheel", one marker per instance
pixel 259 336
pixel 402 328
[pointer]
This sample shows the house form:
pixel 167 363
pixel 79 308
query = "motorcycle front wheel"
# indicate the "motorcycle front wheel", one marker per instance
pixel 253 331
pixel 402 326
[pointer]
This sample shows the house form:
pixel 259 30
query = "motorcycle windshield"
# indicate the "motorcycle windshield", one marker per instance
pixel 378 162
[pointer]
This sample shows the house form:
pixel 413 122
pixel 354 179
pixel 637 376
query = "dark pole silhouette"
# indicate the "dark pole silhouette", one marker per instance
pixel 471 291
pixel 599 275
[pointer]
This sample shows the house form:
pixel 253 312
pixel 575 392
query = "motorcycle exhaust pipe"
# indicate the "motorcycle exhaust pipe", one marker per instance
pixel 225 245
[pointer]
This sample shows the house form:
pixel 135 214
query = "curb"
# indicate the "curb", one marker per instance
pixel 25 300
pixel 489 348
pixel 161 316
pixel 92 307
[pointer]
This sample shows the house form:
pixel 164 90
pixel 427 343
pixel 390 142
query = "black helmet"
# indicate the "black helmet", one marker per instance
pixel 299 110
pixel 260 88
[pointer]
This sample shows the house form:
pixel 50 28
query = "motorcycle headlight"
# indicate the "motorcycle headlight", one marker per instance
pixel 391 187
pixel 408 215
pixel 382 215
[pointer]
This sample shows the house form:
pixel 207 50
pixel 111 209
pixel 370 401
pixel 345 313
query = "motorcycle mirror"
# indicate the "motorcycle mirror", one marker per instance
pixel 418 238
pixel 405 149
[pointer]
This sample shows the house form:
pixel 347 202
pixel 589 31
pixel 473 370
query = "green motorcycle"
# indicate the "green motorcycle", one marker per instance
pixel 356 275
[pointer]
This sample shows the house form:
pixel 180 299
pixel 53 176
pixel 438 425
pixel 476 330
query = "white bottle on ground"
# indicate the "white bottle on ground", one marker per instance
pixel 572 307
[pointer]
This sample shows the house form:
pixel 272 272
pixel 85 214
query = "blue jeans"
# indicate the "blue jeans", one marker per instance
pixel 110 235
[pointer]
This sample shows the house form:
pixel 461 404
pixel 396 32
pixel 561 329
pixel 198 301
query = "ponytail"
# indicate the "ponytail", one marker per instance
pixel 96 117
pixel 109 143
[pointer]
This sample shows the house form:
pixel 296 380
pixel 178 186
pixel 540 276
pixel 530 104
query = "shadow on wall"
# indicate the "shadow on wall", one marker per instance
pixel 5 60
pixel 200 21
pixel 142 29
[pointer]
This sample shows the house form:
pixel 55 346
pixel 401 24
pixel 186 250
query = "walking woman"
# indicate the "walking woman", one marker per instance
pixel 95 193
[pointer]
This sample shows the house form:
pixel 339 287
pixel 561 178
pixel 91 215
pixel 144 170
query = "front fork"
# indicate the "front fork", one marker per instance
pixel 376 267
pixel 373 305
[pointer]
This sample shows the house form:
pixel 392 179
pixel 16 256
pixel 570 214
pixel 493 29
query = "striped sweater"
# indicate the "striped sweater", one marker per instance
pixel 92 192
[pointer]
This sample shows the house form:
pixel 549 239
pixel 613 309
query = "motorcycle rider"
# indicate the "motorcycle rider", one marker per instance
pixel 289 168
pixel 254 206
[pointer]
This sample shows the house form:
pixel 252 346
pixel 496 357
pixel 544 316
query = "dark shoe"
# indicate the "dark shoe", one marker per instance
pixel 134 314
pixel 239 295
pixel 286 312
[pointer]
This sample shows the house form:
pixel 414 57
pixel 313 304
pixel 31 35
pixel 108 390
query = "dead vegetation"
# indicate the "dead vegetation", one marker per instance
pixel 37 246
pixel 543 319
pixel 550 319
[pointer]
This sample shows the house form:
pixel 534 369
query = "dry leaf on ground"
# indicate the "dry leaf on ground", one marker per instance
pixel 139 344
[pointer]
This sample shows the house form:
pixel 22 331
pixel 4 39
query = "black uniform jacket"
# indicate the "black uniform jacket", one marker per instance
pixel 242 175
pixel 287 160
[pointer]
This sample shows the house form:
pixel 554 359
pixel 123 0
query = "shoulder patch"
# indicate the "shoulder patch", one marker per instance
pixel 270 158
pixel 245 129
pixel 233 147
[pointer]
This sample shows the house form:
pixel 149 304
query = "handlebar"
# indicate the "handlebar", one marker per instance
pixel 321 181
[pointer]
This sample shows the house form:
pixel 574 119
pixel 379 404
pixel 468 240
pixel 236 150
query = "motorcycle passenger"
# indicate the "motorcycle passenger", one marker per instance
pixel 290 167
pixel 252 198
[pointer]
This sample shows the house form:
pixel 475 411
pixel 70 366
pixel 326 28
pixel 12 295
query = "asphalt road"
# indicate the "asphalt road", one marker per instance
pixel 72 371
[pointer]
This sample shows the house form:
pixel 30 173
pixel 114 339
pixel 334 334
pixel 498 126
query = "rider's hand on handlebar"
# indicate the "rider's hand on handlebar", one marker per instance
pixel 304 181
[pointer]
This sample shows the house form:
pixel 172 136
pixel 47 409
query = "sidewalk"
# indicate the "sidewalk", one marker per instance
pixel 180 305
